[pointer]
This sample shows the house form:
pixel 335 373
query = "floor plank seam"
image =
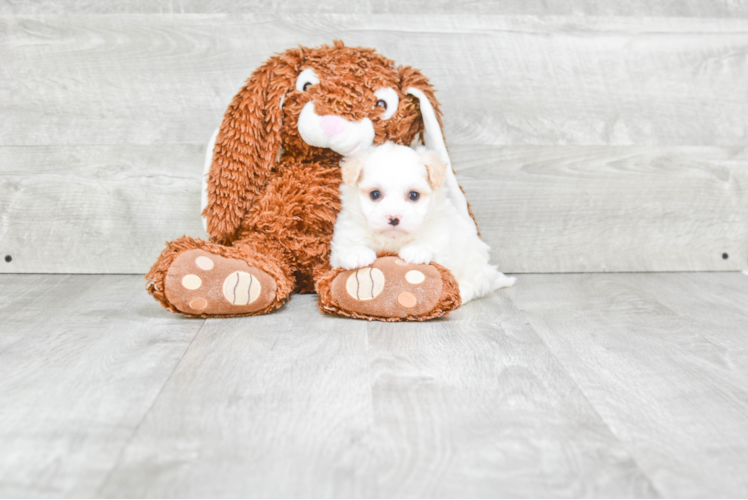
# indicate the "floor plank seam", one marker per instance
pixel 136 429
pixel 587 399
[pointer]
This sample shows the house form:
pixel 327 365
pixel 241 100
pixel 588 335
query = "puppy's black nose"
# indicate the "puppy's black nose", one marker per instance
pixel 394 221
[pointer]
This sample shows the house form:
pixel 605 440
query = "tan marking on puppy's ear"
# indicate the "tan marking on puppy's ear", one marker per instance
pixel 436 170
pixel 352 168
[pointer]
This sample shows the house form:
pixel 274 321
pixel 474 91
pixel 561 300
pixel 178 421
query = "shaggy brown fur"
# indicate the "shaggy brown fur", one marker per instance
pixel 279 216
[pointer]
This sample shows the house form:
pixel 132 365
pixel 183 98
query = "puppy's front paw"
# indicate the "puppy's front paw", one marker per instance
pixel 357 257
pixel 416 254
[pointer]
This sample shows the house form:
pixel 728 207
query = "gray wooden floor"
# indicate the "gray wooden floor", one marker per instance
pixel 631 385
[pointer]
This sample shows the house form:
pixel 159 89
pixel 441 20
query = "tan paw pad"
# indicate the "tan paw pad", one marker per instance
pixel 198 304
pixel 407 299
pixel 241 288
pixel 204 263
pixel 191 282
pixel 365 284
pixel 414 277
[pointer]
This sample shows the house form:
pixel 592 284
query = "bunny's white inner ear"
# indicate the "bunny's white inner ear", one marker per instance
pixel 432 136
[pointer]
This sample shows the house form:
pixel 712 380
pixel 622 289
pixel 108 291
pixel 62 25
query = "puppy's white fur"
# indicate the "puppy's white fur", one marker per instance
pixel 429 229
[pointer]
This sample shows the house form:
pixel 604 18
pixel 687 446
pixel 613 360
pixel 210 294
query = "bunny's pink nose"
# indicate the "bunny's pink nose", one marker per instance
pixel 333 125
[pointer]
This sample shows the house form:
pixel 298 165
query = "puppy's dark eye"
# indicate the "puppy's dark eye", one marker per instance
pixel 375 195
pixel 382 104
pixel 306 86
pixel 413 196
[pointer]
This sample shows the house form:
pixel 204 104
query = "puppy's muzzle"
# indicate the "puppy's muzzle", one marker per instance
pixel 331 131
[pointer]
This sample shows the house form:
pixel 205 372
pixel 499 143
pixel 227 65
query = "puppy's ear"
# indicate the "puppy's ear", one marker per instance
pixel 352 168
pixel 247 144
pixel 435 168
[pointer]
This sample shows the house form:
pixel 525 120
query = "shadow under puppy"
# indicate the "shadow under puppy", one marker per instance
pixel 392 201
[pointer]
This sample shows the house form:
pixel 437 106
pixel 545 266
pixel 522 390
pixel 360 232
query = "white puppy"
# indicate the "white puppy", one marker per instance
pixel 392 201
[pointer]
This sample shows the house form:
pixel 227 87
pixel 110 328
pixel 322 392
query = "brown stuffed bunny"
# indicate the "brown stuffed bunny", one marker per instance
pixel 272 193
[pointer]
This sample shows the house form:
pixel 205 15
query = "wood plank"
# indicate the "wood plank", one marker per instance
pixel 299 404
pixel 621 385
pixel 639 8
pixel 671 387
pixel 503 80
pixel 714 303
pixel 262 406
pixel 553 209
pixel 476 406
pixel 82 359
pixel 89 209
pixel 573 209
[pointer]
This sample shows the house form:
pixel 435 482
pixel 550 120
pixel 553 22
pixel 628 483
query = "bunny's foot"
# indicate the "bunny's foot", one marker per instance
pixel 390 290
pixel 199 282
pixel 198 278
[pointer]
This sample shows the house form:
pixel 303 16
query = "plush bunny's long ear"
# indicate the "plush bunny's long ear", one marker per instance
pixel 246 146
pixel 434 140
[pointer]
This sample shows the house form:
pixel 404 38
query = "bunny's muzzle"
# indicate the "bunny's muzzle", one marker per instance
pixel 331 131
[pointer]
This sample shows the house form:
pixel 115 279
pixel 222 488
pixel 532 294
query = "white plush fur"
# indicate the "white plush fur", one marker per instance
pixel 430 229
pixel 347 138
pixel 330 131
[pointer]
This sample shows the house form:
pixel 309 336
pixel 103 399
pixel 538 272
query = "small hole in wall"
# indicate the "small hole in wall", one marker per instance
pixel 8 258
pixel 725 256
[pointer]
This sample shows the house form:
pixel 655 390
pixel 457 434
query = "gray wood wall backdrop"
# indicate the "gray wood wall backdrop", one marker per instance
pixel 589 136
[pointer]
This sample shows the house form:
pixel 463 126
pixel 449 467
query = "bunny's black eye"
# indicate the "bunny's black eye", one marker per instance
pixel 387 103
pixel 305 79
pixel 375 195
pixel 413 196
